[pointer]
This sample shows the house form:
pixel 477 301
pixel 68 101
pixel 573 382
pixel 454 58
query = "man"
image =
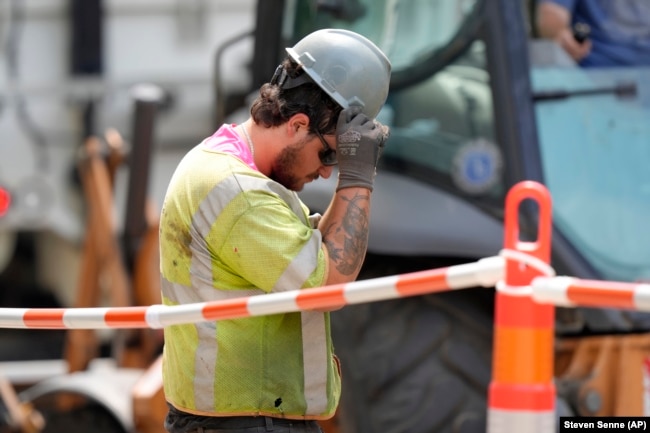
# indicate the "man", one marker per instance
pixel 618 31
pixel 232 225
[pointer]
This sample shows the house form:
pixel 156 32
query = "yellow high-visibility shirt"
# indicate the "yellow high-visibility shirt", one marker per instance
pixel 228 231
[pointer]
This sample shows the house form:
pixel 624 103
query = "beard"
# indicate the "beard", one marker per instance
pixel 283 169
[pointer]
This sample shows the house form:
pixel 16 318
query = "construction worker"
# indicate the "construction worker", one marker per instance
pixel 232 225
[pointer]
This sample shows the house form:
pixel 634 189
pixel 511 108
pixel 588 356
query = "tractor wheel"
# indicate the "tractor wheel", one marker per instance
pixel 96 400
pixel 416 365
pixel 85 417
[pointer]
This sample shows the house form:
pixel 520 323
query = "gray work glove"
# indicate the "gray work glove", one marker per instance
pixel 359 143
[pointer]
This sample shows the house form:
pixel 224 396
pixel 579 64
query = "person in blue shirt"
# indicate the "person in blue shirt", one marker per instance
pixel 618 30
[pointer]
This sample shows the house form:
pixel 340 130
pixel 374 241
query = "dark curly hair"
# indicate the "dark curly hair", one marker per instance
pixel 274 105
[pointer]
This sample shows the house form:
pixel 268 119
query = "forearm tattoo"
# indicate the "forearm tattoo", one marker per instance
pixel 354 229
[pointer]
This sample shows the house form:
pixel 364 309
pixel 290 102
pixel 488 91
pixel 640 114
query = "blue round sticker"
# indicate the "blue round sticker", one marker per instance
pixel 477 166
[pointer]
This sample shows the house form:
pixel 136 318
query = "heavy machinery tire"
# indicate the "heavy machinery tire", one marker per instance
pixel 95 400
pixel 416 365
pixel 89 417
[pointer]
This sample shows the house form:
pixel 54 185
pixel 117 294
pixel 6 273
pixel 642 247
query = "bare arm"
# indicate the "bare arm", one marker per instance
pixel 345 233
pixel 554 22
pixel 346 222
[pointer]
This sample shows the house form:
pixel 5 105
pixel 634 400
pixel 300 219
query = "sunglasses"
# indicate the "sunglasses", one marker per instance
pixel 327 155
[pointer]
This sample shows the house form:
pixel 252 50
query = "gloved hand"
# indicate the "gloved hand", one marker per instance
pixel 359 143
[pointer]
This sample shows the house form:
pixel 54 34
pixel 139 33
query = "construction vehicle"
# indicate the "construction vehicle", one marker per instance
pixel 476 105
pixel 78 216
pixel 103 393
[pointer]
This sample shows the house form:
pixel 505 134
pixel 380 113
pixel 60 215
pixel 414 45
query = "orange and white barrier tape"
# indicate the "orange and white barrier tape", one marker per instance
pixel 573 292
pixel 485 272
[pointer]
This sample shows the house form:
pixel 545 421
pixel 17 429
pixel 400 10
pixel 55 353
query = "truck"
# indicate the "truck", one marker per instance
pixel 477 103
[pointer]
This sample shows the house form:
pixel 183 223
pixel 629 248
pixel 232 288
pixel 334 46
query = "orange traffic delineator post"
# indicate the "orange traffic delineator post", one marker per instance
pixel 521 396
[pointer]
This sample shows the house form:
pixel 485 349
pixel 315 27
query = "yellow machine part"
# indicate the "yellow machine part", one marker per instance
pixel 605 375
